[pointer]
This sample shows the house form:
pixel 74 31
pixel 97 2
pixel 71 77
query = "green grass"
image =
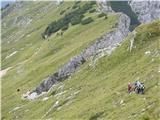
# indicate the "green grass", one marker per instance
pixel 30 68
pixel 100 88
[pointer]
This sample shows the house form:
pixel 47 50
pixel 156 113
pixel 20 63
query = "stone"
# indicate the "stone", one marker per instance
pixel 32 96
pixel 45 98
pixel 3 72
pixel 143 110
pixel 56 104
pixel 121 101
pixel 147 52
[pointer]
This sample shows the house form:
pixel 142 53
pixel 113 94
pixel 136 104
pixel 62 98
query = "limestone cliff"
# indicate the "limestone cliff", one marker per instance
pixel 146 11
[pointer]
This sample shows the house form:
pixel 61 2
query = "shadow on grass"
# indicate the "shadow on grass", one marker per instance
pixel 97 115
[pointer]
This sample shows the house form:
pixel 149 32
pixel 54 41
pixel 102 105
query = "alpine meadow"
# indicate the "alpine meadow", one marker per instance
pixel 80 60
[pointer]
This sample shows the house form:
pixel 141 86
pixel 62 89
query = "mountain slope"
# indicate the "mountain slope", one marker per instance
pixel 101 91
pixel 97 91
pixel 31 58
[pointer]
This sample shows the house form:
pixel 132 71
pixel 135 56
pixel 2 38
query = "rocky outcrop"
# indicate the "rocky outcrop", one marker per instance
pixel 146 11
pixel 107 42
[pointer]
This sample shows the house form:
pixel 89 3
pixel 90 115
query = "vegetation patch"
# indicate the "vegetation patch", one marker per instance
pixel 92 10
pixel 102 15
pixel 62 12
pixel 87 21
pixel 74 17
pixel 64 28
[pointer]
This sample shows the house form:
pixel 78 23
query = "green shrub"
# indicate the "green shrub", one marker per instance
pixel 65 27
pixel 101 15
pixel 92 2
pixel 62 12
pixel 87 7
pixel 87 21
pixel 75 6
pixel 105 17
pixel 146 117
pixel 68 8
pixel 76 20
pixel 74 17
pixel 92 10
pixel 77 2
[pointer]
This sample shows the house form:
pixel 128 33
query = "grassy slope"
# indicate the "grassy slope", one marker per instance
pixel 101 88
pixel 37 58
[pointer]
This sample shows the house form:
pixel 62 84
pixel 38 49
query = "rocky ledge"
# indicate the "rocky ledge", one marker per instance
pixel 107 43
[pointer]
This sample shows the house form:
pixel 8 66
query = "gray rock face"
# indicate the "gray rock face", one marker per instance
pixel 107 42
pixel 146 11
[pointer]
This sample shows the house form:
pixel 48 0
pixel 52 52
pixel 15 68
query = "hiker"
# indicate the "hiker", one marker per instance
pixel 129 88
pixel 139 87
pixel 142 88
pixel 137 84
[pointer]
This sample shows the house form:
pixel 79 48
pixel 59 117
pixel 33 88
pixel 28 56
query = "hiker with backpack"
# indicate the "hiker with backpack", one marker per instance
pixel 129 87
pixel 138 87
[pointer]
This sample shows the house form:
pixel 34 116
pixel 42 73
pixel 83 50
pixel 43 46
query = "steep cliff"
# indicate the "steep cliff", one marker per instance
pixel 146 11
